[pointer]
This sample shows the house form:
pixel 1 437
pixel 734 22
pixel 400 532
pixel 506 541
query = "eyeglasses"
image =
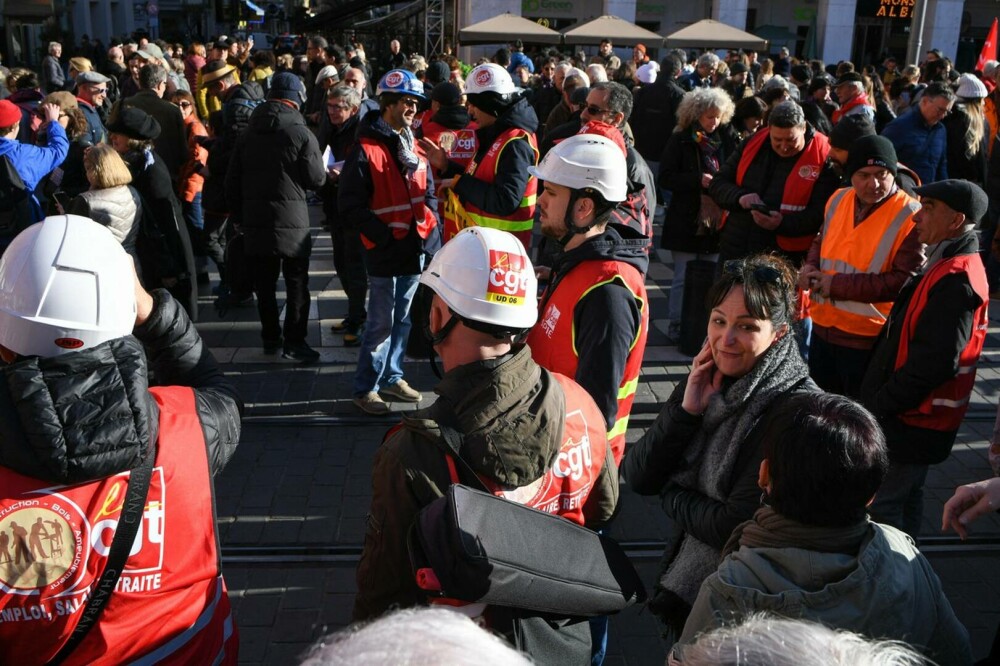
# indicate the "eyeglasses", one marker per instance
pixel 596 111
pixel 184 105
pixel 337 107
pixel 741 270
pixel 410 102
pixel 98 91
pixel 939 110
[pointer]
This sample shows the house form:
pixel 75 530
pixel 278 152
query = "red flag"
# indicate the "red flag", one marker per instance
pixel 989 51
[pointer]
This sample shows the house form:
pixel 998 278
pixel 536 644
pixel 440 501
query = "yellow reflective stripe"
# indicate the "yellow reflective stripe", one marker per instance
pixel 628 388
pixel 642 307
pixel 621 425
pixel 497 222
pixel 516 137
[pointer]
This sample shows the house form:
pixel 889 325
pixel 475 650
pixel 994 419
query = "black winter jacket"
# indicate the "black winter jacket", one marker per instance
pixel 45 433
pixel 502 196
pixel 741 236
pixel 390 257
pixel 654 116
pixel 938 339
pixel 680 172
pixel 164 245
pixel 275 161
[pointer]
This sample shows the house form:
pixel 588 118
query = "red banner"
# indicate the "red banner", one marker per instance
pixel 989 51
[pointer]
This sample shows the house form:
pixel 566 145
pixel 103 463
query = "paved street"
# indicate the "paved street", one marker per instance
pixel 302 480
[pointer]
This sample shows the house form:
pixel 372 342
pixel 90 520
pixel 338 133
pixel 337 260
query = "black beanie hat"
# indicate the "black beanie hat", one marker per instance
pixel 850 129
pixel 871 151
pixel 438 72
pixel 287 86
pixel 446 94
pixel 135 124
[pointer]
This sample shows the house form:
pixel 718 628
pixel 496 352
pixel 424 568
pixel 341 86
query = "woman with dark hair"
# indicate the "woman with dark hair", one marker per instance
pixel 25 92
pixel 702 454
pixel 701 142
pixel 748 116
pixel 811 552
pixel 69 177
pixel 131 135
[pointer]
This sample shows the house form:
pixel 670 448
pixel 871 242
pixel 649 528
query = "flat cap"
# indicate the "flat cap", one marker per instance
pixel 91 77
pixel 959 195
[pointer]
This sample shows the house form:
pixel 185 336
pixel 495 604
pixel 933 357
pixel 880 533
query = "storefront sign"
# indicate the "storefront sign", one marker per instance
pixel 887 9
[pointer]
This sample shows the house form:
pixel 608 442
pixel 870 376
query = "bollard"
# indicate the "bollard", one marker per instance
pixel 698 279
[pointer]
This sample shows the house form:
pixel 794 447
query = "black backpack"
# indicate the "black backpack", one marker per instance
pixel 15 203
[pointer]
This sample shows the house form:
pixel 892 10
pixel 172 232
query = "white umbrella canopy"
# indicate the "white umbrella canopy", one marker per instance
pixel 507 28
pixel 712 34
pixel 618 30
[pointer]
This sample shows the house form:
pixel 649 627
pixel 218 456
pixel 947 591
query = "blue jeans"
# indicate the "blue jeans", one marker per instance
pixel 383 343
pixel 900 499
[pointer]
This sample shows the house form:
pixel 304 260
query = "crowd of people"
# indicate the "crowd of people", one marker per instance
pixel 848 216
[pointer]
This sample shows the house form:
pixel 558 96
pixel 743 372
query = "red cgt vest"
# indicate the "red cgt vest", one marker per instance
pixel 945 406
pixel 799 184
pixel 170 605
pixel 553 338
pixel 564 489
pixel 396 199
pixel 459 215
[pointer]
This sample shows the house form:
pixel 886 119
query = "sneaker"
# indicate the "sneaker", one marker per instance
pixel 371 403
pixel 301 352
pixel 673 335
pixel 272 346
pixel 401 392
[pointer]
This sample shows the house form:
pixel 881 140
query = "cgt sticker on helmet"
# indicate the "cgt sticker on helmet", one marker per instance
pixel 508 283
pixel 394 79
pixel 484 77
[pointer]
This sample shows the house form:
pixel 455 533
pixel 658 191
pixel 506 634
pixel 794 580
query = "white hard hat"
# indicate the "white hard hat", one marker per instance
pixel 65 284
pixel 484 275
pixel 586 161
pixel 489 77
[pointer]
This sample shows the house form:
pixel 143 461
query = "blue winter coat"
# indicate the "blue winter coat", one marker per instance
pixel 922 147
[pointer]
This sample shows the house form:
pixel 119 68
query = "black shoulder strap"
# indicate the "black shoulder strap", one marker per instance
pixel 450 443
pixel 128 526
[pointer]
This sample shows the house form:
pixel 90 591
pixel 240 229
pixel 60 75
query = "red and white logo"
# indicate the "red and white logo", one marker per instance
pixel 809 172
pixel 508 281
pixel 393 79
pixel 484 77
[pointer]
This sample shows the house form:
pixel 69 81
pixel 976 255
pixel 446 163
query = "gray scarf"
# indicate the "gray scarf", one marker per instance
pixel 405 153
pixel 710 458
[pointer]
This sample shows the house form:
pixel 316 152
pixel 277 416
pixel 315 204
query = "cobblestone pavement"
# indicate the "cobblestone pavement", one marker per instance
pixel 299 481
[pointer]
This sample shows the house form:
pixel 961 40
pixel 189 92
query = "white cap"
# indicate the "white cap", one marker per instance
pixel 327 72
pixel 485 275
pixel 489 77
pixel 586 161
pixel 970 87
pixel 65 284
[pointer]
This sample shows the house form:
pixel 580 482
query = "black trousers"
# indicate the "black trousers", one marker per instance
pixel 265 283
pixel 349 261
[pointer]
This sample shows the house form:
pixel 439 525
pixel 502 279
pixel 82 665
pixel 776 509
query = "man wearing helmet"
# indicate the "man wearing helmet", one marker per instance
pixel 387 194
pixel 518 423
pixel 594 313
pixel 494 189
pixel 87 447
